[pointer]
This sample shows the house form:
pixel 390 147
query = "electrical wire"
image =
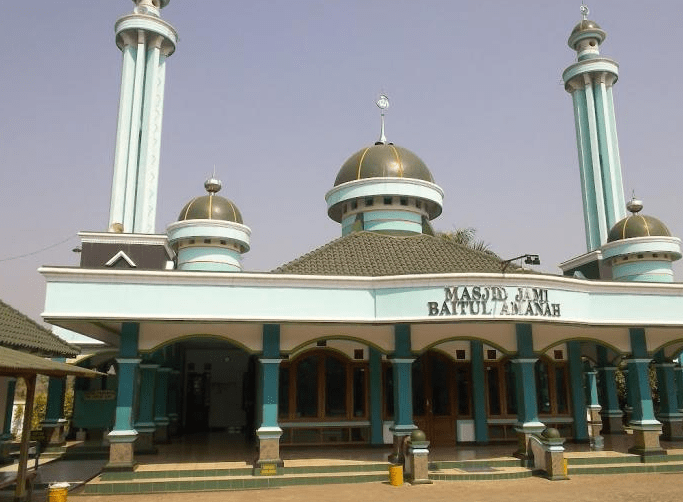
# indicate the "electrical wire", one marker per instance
pixel 9 258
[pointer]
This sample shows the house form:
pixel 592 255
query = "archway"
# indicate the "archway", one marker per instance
pixel 441 395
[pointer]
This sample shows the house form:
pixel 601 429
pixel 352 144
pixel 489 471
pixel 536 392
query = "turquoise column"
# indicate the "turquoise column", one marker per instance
pixel 402 361
pixel 122 437
pixel 594 419
pixel 481 429
pixel 679 386
pixel 9 406
pixel 269 431
pixel 161 405
pixel 525 385
pixel 145 424
pixel 646 428
pixel 54 425
pixel 6 437
pixel 578 395
pixel 173 400
pixel 671 418
pixel 375 360
pixel 607 379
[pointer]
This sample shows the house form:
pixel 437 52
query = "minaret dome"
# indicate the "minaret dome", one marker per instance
pixel 209 234
pixel 641 248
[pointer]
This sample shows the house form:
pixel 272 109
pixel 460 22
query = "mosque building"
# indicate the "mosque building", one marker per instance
pixel 387 328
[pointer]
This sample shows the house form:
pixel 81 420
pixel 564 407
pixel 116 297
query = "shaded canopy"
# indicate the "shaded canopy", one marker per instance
pixel 20 364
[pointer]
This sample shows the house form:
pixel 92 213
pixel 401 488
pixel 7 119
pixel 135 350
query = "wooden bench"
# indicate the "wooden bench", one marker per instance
pixel 9 478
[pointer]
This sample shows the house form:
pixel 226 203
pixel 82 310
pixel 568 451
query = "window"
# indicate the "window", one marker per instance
pixel 500 389
pixel 552 392
pixel 321 385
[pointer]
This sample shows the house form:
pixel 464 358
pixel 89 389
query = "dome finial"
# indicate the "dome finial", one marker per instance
pixel 634 205
pixel 213 185
pixel 584 11
pixel 382 103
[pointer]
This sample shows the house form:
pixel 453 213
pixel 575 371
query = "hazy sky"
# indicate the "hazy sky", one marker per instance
pixel 277 94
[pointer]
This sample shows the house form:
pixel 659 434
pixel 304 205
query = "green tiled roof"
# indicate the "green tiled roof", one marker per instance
pixel 374 254
pixel 21 333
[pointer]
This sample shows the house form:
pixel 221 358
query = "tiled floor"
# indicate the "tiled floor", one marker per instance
pixel 222 448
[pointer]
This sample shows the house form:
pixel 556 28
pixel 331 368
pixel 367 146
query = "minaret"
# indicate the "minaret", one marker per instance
pixel 590 82
pixel 145 41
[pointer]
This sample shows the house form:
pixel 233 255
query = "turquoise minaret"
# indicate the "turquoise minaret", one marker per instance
pixel 590 81
pixel 146 41
pixel 384 188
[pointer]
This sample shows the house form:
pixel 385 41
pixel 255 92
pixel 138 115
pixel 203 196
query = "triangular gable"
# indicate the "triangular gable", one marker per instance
pixel 120 256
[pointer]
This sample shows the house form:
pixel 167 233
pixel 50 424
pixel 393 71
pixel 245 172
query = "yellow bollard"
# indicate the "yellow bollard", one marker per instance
pixel 396 475
pixel 57 492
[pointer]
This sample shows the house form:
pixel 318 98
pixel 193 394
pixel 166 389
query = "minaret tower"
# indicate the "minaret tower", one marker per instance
pixel 146 41
pixel 590 82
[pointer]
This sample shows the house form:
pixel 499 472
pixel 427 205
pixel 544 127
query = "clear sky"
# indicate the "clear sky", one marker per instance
pixel 277 94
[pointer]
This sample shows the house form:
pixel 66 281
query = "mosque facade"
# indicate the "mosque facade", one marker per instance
pixel 384 330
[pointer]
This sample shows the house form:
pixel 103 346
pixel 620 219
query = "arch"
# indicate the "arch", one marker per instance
pixel 297 349
pixel 434 345
pixel 195 338
pixel 585 341
pixel 672 349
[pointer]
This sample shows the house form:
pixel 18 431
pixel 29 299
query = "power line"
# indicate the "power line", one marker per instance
pixel 37 251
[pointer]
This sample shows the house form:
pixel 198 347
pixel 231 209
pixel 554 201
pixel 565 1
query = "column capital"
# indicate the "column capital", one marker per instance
pixel 127 360
pixel 401 360
pixel 270 360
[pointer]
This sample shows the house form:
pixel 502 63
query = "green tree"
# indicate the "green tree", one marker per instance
pixel 467 237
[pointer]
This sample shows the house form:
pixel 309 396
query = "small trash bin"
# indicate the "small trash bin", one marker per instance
pixel 395 475
pixel 57 492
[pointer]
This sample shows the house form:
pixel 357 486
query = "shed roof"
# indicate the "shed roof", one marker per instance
pixel 19 332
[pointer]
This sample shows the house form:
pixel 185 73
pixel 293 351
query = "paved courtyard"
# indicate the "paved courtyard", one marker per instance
pixel 620 488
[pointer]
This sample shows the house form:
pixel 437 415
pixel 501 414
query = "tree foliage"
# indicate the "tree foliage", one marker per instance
pixel 466 237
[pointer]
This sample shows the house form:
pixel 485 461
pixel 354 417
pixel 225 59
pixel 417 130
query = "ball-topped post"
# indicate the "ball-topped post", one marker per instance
pixel 634 205
pixel 584 11
pixel 382 103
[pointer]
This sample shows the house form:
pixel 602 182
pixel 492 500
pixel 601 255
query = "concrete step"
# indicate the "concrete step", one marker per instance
pixel 624 468
pixel 480 473
pixel 498 462
pixel 232 482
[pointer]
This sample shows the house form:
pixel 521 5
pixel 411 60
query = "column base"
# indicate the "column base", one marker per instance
pixel 613 423
pixel 268 461
pixel 5 452
pixel 174 425
pixel 400 434
pixel 672 429
pixel 144 444
pixel 55 433
pixel 121 451
pixel 524 432
pixel 161 434
pixel 646 438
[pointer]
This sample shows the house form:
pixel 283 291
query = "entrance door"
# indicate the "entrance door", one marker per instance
pixel 441 395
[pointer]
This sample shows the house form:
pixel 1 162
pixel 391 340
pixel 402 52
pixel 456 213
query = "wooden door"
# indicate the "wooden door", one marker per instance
pixel 435 397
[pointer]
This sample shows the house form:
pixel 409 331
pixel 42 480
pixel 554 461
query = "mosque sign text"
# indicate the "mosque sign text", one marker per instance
pixel 496 301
